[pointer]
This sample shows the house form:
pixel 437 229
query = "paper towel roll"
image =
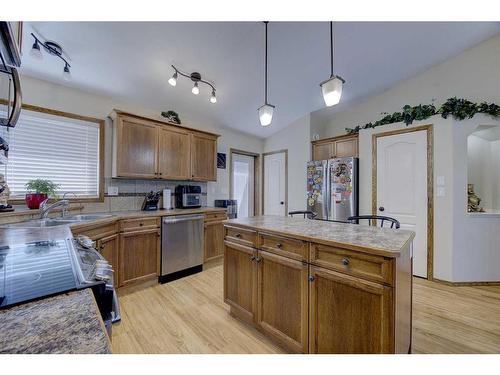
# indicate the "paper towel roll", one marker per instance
pixel 167 199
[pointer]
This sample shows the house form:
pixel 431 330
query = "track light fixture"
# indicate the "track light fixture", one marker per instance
pixel 196 78
pixel 332 87
pixel 52 48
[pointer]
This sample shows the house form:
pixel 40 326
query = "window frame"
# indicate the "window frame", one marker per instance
pixel 101 123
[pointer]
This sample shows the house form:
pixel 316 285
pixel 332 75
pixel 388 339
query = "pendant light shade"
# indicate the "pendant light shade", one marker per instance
pixel 267 110
pixel 266 114
pixel 332 90
pixel 332 87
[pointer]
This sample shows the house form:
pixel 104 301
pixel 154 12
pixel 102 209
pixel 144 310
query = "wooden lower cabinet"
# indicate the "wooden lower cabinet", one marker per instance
pixel 108 248
pixel 282 302
pixel 348 314
pixel 139 255
pixel 214 240
pixel 240 280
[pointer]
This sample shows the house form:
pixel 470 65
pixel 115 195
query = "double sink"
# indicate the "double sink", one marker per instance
pixel 54 222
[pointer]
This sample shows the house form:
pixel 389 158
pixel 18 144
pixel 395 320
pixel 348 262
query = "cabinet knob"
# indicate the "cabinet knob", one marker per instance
pixel 345 262
pixel 311 278
pixel 381 208
pixel 237 235
pixel 258 259
pixel 252 258
pixel 279 245
pixel 141 224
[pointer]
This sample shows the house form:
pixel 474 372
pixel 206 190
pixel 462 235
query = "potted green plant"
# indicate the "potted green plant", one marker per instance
pixel 39 190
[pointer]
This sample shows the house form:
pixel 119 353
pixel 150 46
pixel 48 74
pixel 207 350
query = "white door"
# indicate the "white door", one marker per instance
pixel 243 183
pixel 275 184
pixel 402 188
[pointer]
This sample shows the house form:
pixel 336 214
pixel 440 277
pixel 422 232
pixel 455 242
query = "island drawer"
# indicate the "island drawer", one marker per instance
pixel 242 236
pixel 139 224
pixel 215 216
pixel 287 247
pixel 370 267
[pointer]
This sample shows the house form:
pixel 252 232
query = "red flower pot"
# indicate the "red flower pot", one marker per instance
pixel 33 200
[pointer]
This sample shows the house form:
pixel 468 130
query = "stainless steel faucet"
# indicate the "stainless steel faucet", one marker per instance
pixel 45 208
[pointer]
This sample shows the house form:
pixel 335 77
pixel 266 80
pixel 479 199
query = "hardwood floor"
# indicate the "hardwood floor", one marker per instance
pixel 188 316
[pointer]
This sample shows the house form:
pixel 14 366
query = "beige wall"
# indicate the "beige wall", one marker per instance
pixel 474 74
pixel 49 95
pixel 295 139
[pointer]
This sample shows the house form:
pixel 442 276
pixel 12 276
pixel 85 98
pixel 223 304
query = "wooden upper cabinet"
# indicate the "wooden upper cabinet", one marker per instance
pixel 338 147
pixel 136 148
pixel 148 148
pixel 323 151
pixel 174 154
pixel 203 157
pixel 346 147
pixel 349 315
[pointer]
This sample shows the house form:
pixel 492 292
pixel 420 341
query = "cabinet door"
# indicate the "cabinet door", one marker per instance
pixel 203 157
pixel 214 240
pixel 136 149
pixel 139 255
pixel 323 151
pixel 282 300
pixel 174 158
pixel 346 147
pixel 108 248
pixel 349 315
pixel 240 280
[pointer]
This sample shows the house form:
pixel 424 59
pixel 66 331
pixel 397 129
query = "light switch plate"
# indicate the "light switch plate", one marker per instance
pixel 440 191
pixel 440 180
pixel 112 190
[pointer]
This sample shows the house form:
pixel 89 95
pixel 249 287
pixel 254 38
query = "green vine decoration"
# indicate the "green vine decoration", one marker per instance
pixel 460 109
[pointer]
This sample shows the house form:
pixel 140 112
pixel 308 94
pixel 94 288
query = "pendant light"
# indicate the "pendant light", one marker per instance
pixel 266 111
pixel 332 87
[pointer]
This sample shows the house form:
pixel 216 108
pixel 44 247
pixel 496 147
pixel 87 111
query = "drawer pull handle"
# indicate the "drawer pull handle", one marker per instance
pixel 237 235
pixel 345 262
pixel 279 245
pixel 141 224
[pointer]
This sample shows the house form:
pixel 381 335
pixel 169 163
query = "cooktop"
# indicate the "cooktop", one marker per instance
pixel 35 269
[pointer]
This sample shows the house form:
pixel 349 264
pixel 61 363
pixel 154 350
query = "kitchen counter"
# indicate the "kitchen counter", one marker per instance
pixel 68 323
pixel 379 241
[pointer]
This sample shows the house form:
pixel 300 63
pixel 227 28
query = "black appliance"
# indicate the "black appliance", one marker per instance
pixel 187 196
pixel 230 204
pixel 151 201
pixel 54 265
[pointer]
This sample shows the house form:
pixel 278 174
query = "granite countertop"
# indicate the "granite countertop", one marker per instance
pixel 374 240
pixel 68 323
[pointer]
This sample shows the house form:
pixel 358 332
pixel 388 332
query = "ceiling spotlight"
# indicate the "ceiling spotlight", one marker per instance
pixel 195 90
pixel 332 87
pixel 66 72
pixel 52 48
pixel 35 51
pixel 173 80
pixel 213 98
pixel 196 78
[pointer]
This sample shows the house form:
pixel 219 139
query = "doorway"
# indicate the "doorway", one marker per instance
pixel 243 186
pixel 403 187
pixel 275 181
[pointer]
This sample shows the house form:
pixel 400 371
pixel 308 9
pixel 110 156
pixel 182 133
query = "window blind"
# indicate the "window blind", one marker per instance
pixel 61 149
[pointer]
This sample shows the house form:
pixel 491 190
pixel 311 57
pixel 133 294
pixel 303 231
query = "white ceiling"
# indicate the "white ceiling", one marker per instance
pixel 131 61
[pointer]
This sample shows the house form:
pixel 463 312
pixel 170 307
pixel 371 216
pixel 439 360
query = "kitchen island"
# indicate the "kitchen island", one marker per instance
pixel 321 287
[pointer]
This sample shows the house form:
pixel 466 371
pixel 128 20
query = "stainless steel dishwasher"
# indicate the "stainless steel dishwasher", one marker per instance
pixel 181 246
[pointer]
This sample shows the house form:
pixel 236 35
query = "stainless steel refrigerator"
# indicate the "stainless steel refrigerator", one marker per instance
pixel 332 188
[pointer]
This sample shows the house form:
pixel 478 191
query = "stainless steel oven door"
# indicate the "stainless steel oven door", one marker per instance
pixel 10 96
